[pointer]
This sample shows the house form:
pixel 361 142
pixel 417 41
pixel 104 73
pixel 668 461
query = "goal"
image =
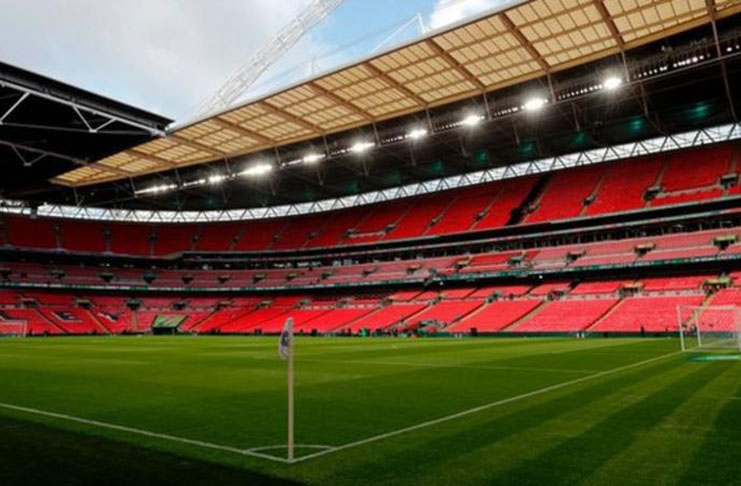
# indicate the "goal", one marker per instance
pixel 12 329
pixel 711 327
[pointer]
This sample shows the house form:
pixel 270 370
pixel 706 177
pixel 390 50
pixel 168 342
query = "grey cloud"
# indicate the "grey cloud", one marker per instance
pixel 161 55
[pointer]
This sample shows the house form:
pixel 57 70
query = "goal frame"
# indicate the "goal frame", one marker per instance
pixel 20 325
pixel 689 325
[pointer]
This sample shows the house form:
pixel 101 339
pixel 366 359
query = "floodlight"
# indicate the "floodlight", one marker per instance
pixel 360 147
pixel 157 189
pixel 312 158
pixel 257 170
pixel 534 104
pixel 216 179
pixel 417 133
pixel 472 120
pixel 612 83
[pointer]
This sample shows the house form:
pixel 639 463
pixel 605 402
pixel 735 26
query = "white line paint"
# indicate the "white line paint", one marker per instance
pixel 487 406
pixel 297 446
pixel 254 452
pixel 147 433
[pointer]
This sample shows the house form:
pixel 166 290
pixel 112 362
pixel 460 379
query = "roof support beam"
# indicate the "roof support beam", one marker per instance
pixel 607 19
pixel 394 83
pixel 71 103
pixel 154 158
pixel 114 170
pixel 12 108
pixel 339 101
pixel 196 146
pixel 291 118
pixel 524 42
pixel 710 4
pixel 453 62
pixel 26 148
pixel 243 131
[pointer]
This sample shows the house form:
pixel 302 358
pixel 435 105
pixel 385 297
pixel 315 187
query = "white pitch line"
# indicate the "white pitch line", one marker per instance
pixel 147 433
pixel 329 449
pixel 297 446
pixel 481 408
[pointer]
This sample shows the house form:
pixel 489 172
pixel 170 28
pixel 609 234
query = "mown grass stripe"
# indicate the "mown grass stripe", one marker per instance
pixel 484 407
pixel 132 430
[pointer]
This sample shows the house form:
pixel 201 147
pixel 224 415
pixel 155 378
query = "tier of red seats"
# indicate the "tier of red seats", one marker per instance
pixel 174 239
pixel 36 323
pixel 510 198
pixel 495 316
pixel 674 283
pixel 684 176
pixel 726 297
pixel 624 184
pixel 649 305
pixel 81 237
pixel 667 247
pixel 699 167
pixel 687 197
pixel 218 238
pixel 461 214
pixel 381 217
pixel 566 315
pixel 603 288
pixel 385 317
pixel 445 312
pixel 131 239
pixel 564 197
pixel 652 314
pixel 30 233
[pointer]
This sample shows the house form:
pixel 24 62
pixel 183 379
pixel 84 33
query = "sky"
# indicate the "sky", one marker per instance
pixel 168 56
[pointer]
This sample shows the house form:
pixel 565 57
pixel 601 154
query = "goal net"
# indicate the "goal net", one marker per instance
pixel 12 329
pixel 711 327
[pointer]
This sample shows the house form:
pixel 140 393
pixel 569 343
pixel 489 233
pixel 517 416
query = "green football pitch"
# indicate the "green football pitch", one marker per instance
pixel 212 410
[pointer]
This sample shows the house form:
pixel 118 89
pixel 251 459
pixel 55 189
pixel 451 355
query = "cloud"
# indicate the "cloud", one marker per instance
pixel 448 12
pixel 163 55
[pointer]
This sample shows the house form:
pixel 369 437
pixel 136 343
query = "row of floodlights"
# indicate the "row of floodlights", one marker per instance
pixel 261 169
pixel 256 170
pixel 686 61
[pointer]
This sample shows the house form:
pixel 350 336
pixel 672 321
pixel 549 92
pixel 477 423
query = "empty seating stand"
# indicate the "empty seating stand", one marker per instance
pixel 566 315
pixel 598 189
pixel 25 232
pixel 495 316
pixel 649 314
pixel 129 239
pixel 565 194
pixel 624 185
pixel 694 175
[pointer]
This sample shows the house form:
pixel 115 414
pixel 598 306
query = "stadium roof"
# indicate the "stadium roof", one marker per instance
pixel 523 41
pixel 48 127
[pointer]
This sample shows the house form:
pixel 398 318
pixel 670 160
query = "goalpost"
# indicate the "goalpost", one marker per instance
pixel 13 329
pixel 710 327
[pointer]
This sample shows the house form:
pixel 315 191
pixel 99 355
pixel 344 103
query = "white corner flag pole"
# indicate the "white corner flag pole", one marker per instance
pixel 285 350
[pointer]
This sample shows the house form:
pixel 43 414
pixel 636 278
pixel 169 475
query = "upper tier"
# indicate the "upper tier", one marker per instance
pixel 681 177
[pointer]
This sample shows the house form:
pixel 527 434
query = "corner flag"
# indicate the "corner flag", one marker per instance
pixel 286 339
pixel 285 351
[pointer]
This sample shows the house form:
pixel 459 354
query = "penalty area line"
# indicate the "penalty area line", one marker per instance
pixel 484 407
pixel 142 432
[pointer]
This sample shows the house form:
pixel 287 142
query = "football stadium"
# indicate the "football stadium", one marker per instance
pixel 505 251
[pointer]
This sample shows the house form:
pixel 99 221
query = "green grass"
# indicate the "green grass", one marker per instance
pixel 670 420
